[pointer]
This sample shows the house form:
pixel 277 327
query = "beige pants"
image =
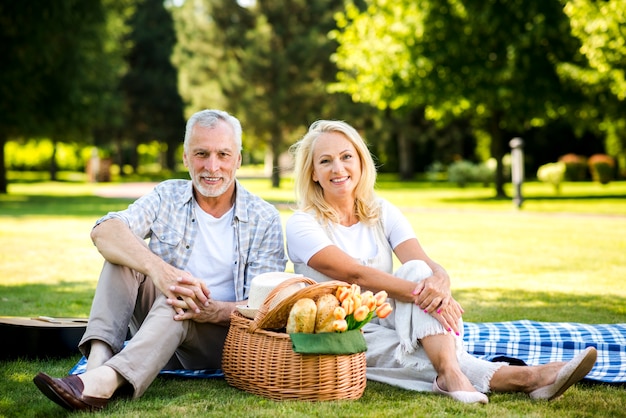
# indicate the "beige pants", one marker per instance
pixel 126 300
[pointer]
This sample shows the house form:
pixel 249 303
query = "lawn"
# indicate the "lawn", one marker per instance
pixel 559 258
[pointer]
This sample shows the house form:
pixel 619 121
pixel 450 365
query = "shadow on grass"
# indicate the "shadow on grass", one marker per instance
pixel 493 305
pixel 555 198
pixel 87 205
pixel 481 305
pixel 64 299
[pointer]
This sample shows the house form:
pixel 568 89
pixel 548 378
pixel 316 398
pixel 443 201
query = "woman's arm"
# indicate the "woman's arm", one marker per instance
pixel 336 264
pixel 433 294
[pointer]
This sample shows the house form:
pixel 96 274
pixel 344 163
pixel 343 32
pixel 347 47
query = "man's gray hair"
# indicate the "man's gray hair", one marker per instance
pixel 208 118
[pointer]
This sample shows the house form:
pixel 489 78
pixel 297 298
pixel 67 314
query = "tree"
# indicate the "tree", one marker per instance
pixel 48 80
pixel 493 62
pixel 154 108
pixel 274 65
pixel 600 28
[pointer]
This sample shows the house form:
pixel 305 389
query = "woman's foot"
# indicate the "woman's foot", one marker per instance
pixel 461 396
pixel 572 372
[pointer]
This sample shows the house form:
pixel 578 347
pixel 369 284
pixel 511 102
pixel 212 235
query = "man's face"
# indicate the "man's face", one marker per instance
pixel 212 158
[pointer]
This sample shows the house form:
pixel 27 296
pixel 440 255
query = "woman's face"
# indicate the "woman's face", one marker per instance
pixel 336 165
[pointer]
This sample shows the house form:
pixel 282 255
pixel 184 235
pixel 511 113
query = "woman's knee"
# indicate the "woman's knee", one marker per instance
pixel 414 270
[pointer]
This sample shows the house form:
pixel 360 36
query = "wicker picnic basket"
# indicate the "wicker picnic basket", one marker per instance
pixel 259 358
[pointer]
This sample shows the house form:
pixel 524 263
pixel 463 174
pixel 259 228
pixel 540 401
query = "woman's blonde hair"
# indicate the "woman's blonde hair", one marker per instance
pixel 310 195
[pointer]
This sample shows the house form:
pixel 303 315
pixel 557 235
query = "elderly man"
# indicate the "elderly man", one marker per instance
pixel 207 238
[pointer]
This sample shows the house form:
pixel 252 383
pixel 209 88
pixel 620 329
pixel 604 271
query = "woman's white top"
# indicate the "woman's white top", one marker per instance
pixel 370 245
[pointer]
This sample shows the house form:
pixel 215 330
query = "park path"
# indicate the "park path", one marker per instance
pixel 125 190
pixel 138 189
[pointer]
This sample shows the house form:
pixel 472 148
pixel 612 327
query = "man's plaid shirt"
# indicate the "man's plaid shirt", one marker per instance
pixel 166 217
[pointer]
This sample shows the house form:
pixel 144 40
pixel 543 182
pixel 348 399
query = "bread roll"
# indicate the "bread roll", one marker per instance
pixel 326 305
pixel 302 317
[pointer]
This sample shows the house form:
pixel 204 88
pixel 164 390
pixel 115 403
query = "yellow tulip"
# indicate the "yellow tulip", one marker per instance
pixel 355 289
pixel 384 310
pixel 339 313
pixel 340 325
pixel 361 313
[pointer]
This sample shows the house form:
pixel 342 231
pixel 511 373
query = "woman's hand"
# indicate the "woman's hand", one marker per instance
pixel 433 296
pixel 450 316
pixel 433 293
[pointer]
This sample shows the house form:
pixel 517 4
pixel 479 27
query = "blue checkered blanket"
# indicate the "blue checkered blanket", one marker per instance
pixel 542 342
pixel 531 342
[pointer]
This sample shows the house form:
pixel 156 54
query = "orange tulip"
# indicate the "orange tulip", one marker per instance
pixel 342 293
pixel 384 310
pixel 361 313
pixel 339 313
pixel 367 299
pixel 340 325
pixel 381 297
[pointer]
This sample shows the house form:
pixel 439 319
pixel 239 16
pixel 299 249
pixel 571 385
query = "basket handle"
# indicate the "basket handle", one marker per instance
pixel 265 306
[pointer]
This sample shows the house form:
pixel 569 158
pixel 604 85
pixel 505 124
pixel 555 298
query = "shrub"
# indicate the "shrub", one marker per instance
pixel 601 167
pixel 485 172
pixel 575 167
pixel 435 171
pixel 461 172
pixel 553 173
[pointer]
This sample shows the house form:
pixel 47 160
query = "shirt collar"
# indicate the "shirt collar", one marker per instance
pixel 241 200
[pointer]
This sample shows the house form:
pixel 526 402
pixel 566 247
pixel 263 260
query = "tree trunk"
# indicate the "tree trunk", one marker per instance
pixel 170 155
pixel 405 155
pixel 276 141
pixel 497 152
pixel 53 161
pixel 3 168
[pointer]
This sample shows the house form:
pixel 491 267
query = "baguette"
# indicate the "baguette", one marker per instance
pixel 326 305
pixel 302 317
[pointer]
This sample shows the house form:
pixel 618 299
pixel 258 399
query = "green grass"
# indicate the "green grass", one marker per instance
pixel 560 258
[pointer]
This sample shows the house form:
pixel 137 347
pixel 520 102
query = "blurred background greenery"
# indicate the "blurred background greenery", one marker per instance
pixel 103 87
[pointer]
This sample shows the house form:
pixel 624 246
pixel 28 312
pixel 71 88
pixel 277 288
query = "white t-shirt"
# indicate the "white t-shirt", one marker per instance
pixel 305 236
pixel 212 253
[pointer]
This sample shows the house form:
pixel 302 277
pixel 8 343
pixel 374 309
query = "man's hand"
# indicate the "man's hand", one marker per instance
pixel 214 312
pixel 185 293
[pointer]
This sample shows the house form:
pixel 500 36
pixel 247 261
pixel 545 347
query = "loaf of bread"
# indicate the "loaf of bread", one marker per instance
pixel 302 317
pixel 326 305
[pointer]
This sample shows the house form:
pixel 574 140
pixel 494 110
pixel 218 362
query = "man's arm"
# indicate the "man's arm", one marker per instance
pixel 119 245
pixel 270 256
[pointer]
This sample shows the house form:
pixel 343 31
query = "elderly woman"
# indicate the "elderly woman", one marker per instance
pixel 343 231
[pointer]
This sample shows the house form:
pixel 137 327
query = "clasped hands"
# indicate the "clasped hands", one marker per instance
pixel 191 299
pixel 434 297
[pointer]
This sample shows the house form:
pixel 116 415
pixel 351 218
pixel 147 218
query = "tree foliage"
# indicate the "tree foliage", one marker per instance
pixel 154 108
pixel 601 28
pixel 495 62
pixel 270 61
pixel 50 79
